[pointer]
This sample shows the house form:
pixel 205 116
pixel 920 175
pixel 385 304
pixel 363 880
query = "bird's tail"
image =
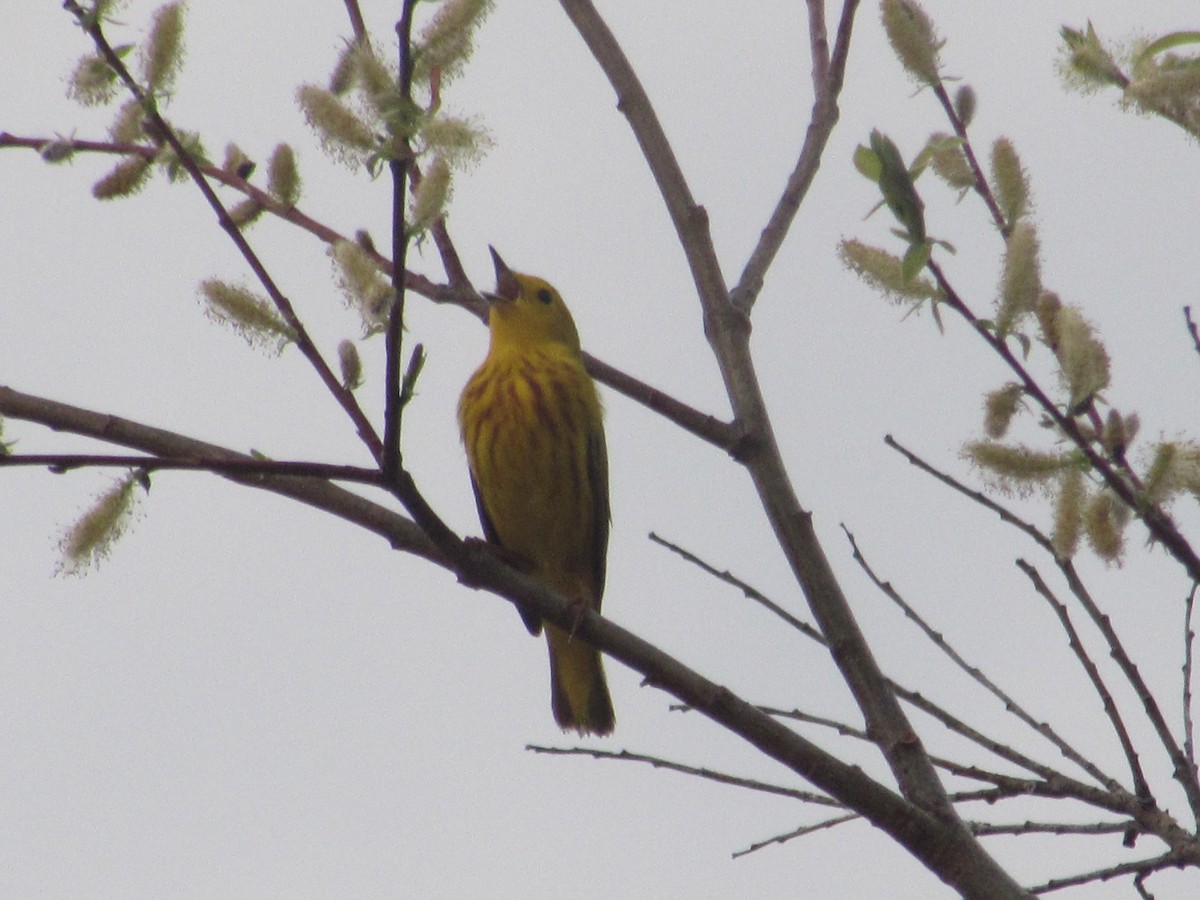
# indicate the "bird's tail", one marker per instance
pixel 578 689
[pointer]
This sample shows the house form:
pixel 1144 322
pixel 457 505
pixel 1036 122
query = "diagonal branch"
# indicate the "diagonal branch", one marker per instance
pixel 981 679
pixel 658 762
pixel 399 531
pixel 1140 786
pixel 340 393
pixel 828 74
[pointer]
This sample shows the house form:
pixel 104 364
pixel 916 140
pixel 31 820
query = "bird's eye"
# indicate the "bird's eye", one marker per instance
pixel 545 296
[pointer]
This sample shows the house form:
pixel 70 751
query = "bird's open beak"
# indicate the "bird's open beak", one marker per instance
pixel 507 287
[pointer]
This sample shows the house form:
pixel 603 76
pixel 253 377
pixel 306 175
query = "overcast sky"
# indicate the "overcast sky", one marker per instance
pixel 251 699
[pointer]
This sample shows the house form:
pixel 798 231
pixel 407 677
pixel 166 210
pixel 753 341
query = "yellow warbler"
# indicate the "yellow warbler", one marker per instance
pixel 531 425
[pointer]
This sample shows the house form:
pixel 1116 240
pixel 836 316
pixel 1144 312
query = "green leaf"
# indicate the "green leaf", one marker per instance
pixel 896 185
pixel 915 259
pixel 867 162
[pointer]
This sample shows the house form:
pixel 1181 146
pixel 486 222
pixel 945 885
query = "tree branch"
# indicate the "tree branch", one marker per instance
pixel 828 75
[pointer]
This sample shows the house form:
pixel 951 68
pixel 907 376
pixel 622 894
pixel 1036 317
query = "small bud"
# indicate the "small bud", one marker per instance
pixel 429 198
pixel 1068 514
pixel 249 315
pixel 128 126
pixel 1081 356
pixel 343 134
pixel 999 407
pixel 883 272
pixel 1116 435
pixel 283 178
pixel 127 178
pixel 246 212
pixel 1161 481
pixel 93 536
pixel 1021 282
pixel 341 79
pixel 363 285
pixel 1046 310
pixel 363 238
pixel 57 150
pixel 964 104
pixel 237 162
pixel 913 38
pixel 351 365
pixel 1104 520
pixel 94 81
pixel 5 446
pixel 1012 185
pixel 1089 66
pixel 949 162
pixel 162 54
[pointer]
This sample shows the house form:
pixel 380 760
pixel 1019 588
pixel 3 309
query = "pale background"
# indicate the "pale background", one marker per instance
pixel 251 699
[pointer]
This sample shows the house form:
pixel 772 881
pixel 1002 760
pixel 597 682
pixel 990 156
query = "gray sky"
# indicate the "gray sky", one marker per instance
pixel 250 699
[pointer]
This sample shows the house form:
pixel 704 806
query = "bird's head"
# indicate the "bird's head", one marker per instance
pixel 526 310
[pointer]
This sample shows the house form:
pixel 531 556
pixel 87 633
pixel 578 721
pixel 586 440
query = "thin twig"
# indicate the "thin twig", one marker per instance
pixel 1189 646
pixel 356 19
pixel 1005 514
pixel 394 338
pixel 59 463
pixel 1010 705
pixel 707 774
pixel 911 697
pixel 400 532
pixel 1191 327
pixel 749 591
pixel 1182 770
pixel 1108 873
pixel 798 833
pixel 1140 786
pixel 985 829
pixel 981 186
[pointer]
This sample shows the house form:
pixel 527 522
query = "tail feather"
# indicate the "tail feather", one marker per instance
pixel 578 689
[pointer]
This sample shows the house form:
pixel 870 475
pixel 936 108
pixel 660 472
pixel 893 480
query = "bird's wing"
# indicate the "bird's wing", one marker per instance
pixel 597 471
pixel 531 619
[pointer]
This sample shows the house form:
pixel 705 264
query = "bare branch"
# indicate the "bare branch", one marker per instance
pixel 827 78
pixel 1189 646
pixel 1140 868
pixel 939 641
pixel 707 774
pixel 1191 327
pixel 394 337
pixel 984 829
pixel 799 832
pixel 1140 786
pixel 59 463
pixel 750 592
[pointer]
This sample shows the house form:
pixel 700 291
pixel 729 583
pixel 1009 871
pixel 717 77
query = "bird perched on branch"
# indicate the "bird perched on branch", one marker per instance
pixel 531 425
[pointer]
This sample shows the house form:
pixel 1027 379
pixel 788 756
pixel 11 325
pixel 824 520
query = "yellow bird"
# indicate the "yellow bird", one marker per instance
pixel 531 425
